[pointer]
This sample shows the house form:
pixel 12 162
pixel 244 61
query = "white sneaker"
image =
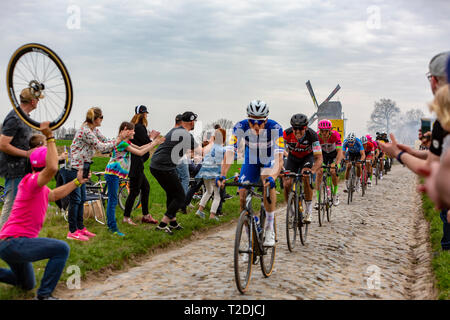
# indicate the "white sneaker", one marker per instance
pixel 336 200
pixel 307 218
pixel 381 176
pixel 369 183
pixel 269 240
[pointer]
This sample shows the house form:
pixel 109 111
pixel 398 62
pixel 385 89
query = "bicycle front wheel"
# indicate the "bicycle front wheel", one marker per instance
pixel 302 227
pixel 322 203
pixel 243 252
pixel 37 67
pixel 267 259
pixel 291 221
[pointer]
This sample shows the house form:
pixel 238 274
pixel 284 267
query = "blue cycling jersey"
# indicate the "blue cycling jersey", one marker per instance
pixel 357 147
pixel 259 149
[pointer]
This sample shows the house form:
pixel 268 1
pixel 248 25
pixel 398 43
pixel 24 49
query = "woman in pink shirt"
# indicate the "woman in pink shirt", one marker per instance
pixel 19 242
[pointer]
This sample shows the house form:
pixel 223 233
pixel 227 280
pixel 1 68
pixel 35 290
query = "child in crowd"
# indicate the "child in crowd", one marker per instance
pixel 209 171
pixel 119 167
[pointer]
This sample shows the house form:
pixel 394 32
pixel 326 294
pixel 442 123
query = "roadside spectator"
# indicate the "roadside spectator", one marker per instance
pixel 163 168
pixel 183 166
pixel 210 171
pixel 119 167
pixel 421 162
pixel 138 180
pixel 19 242
pixel 14 150
pixel 87 140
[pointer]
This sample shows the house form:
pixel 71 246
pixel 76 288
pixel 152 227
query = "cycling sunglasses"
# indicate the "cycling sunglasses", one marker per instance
pixel 299 128
pixel 258 122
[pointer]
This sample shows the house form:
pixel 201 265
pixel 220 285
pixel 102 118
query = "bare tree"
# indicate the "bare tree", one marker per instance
pixel 407 126
pixel 210 127
pixel 383 116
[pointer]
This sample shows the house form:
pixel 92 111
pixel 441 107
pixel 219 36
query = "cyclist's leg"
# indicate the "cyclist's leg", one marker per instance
pixel 347 172
pixel 306 166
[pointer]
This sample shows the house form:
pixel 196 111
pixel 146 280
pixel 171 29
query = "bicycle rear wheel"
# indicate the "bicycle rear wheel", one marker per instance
pixel 243 252
pixel 37 67
pixel 291 221
pixel 124 192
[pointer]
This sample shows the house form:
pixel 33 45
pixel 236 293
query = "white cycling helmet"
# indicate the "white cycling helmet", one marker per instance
pixel 351 137
pixel 257 108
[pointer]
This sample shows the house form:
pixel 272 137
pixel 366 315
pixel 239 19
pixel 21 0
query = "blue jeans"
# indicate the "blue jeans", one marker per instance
pixel 19 253
pixel 76 201
pixel 183 174
pixel 445 241
pixel 10 195
pixel 112 182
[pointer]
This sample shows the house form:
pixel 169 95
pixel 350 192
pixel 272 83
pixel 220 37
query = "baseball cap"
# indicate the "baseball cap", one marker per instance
pixel 26 95
pixel 448 69
pixel 438 64
pixel 37 157
pixel 178 117
pixel 140 109
pixel 188 116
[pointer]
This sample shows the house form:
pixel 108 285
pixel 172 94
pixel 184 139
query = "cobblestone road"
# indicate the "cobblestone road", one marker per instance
pixel 375 248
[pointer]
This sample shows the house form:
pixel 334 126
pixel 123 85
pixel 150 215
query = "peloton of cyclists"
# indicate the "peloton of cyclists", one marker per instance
pixel 305 154
pixel 354 151
pixel 263 159
pixel 331 144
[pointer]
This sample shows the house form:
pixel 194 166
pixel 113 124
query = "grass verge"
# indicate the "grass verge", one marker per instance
pixel 441 259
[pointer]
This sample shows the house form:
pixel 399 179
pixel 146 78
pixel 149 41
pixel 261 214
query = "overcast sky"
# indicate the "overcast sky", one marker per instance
pixel 213 57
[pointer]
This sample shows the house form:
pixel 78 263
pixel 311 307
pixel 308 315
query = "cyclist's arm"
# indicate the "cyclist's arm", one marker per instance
pixel 340 155
pixel 318 160
pixel 228 159
pixel 363 155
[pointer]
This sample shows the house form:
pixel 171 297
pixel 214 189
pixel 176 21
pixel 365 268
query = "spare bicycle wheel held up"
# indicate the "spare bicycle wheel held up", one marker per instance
pixel 37 67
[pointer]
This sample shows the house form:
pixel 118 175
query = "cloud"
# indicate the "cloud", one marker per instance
pixel 216 56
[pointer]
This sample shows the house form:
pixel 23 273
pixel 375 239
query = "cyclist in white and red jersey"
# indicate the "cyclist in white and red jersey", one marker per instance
pixel 331 144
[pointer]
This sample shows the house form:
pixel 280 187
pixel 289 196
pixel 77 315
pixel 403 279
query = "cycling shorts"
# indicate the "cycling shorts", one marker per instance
pixel 295 164
pixel 352 156
pixel 252 172
pixel 329 158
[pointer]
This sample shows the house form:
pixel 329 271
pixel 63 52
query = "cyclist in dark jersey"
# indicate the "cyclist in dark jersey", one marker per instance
pixel 305 154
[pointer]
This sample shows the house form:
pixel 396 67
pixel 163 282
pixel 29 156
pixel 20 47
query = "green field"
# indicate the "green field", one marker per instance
pixel 107 251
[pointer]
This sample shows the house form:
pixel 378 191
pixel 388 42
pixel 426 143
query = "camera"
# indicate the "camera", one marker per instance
pixel 86 167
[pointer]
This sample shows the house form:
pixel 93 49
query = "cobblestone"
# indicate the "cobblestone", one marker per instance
pixel 340 260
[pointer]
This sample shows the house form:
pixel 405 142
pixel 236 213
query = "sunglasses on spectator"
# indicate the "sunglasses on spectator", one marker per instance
pixel 256 121
pixel 429 76
pixel 101 117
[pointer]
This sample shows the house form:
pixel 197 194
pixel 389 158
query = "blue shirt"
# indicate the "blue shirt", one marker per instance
pixel 357 147
pixel 258 148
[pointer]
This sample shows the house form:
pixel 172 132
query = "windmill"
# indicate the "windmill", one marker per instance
pixel 331 110
pixel 322 108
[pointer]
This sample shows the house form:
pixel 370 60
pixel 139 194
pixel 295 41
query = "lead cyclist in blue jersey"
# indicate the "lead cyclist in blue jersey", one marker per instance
pixel 354 150
pixel 264 148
